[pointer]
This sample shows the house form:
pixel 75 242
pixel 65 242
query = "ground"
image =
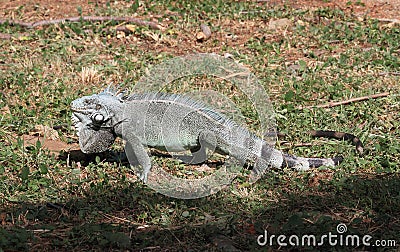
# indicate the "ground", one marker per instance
pixel 306 53
pixel 36 10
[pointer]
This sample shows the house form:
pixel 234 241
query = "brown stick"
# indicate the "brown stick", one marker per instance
pixel 31 25
pixel 357 99
pixel 389 73
pixel 5 36
pixel 18 36
pixel 389 20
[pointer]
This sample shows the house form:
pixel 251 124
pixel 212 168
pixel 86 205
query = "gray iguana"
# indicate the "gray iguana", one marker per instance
pixel 175 123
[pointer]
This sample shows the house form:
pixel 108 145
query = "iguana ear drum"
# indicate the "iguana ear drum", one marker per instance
pixel 97 118
pixel 95 141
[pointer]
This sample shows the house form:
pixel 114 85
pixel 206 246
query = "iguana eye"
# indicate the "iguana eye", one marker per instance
pixel 98 106
pixel 97 118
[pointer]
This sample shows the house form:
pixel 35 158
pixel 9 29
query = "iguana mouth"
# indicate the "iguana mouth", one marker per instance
pixel 76 123
pixel 78 115
pixel 79 110
pixel 75 118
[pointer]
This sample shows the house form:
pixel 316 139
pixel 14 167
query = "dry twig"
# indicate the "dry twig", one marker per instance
pixel 5 36
pixel 32 25
pixel 389 20
pixel 389 73
pixel 357 99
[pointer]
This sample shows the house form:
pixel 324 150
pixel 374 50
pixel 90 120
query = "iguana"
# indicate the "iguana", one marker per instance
pixel 152 120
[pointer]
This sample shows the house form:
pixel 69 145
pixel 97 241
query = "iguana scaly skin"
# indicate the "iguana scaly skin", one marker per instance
pixel 174 123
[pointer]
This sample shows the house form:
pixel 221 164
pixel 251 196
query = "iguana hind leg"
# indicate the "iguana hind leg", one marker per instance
pixel 206 141
pixel 198 156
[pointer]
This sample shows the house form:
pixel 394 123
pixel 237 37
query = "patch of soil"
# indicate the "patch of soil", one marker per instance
pixel 380 9
pixel 54 146
pixel 48 9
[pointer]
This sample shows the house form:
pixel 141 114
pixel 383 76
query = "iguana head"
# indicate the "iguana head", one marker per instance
pixel 94 119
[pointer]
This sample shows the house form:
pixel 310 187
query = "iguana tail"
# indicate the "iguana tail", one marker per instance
pixel 300 163
pixel 273 158
pixel 278 159
pixel 340 136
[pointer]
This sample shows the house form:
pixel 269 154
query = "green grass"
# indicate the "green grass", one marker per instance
pixel 48 202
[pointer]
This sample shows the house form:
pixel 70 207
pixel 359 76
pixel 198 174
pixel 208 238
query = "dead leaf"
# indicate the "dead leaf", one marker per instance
pixel 314 181
pixel 302 23
pixel 121 34
pixel 45 131
pixel 5 110
pixel 132 28
pixel 249 228
pixel 156 37
pixel 279 24
pixel 204 168
pixel 204 34
pixel 3 217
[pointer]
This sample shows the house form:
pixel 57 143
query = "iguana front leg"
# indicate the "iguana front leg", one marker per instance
pixel 135 151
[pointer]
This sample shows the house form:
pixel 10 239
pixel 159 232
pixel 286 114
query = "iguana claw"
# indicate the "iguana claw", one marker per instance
pixel 143 177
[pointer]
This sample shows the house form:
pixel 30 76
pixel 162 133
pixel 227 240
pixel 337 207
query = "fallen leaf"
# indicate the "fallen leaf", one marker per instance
pixel 120 34
pixel 204 168
pixel 5 110
pixel 45 131
pixel 204 34
pixel 279 24
pixel 132 28
pixel 3 217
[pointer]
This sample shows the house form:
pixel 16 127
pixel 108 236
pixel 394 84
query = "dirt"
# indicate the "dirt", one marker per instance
pixel 45 9
pixel 54 146
pixel 48 9
pixel 380 9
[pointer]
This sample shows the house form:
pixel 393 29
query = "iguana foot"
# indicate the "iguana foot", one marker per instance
pixel 253 177
pixel 194 159
pixel 143 177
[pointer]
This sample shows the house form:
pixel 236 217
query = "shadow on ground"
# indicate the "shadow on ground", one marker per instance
pixel 115 218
